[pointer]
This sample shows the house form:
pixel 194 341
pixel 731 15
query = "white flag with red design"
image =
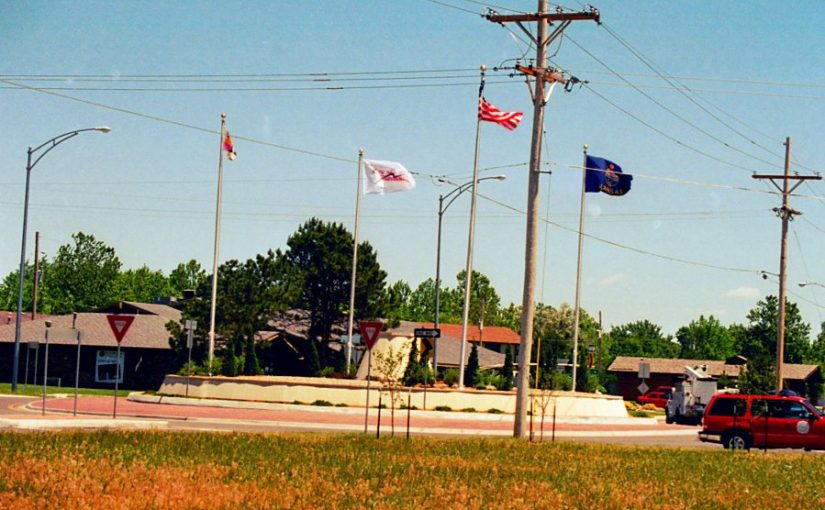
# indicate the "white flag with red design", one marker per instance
pixel 386 177
pixel 490 113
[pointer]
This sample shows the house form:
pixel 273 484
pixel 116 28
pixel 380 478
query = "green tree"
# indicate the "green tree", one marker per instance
pixel 484 300
pixel 398 303
pixel 421 303
pixel 9 288
pixel 187 276
pixel 83 276
pixel 507 370
pixel 319 263
pixel 641 338
pixel 705 338
pixel 142 285
pixel 762 331
pixel 413 365
pixel 248 295
pixel 471 371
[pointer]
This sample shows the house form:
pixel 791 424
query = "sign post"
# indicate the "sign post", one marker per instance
pixel 120 325
pixel 77 371
pixel 45 368
pixel 369 332
pixel 190 329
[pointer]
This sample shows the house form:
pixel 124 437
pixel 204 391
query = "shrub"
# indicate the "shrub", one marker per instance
pixel 639 414
pixel 443 408
pixel 493 410
pixel 468 410
pixel 450 376
pixel 325 372
pixel 322 403
pixel 297 402
pixel 341 404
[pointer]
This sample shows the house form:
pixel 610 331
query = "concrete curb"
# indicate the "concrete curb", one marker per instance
pixel 446 415
pixel 80 423
pixel 434 431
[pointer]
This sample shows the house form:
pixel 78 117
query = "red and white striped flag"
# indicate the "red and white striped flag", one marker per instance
pixel 490 113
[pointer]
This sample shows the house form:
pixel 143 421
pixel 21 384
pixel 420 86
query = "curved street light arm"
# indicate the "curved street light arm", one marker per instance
pixel 464 187
pixel 57 140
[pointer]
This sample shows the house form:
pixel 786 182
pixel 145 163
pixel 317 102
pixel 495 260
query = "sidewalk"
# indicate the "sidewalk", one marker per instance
pixel 148 411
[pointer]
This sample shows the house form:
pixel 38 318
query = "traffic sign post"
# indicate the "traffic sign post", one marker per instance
pixel 190 329
pixel 120 325
pixel 369 333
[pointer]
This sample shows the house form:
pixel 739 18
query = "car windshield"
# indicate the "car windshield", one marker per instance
pixel 814 408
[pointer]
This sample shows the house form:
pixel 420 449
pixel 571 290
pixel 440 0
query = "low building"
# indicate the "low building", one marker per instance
pixel 666 372
pixel 145 354
pixel 494 338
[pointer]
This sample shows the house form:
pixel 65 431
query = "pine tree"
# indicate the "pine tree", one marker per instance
pixel 413 365
pixel 471 372
pixel 507 370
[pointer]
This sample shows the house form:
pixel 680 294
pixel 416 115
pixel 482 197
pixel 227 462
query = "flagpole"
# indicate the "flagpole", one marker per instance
pixel 468 276
pixel 216 246
pixel 354 261
pixel 579 270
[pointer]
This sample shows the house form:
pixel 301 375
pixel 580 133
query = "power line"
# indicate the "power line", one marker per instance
pixel 668 109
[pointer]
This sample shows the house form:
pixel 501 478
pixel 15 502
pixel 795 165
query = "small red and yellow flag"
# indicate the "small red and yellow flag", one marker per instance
pixel 229 147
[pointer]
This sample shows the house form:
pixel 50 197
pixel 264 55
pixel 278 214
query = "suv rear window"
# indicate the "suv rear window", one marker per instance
pixel 728 407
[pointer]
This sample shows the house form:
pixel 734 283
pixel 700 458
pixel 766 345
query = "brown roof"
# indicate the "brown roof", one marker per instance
pixel 147 331
pixel 449 347
pixel 714 367
pixel 491 334
pixel 10 316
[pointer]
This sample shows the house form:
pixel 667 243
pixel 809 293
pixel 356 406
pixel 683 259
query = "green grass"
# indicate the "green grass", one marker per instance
pixel 71 470
pixel 37 391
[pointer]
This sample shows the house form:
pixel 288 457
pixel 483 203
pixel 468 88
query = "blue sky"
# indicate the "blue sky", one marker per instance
pixel 148 187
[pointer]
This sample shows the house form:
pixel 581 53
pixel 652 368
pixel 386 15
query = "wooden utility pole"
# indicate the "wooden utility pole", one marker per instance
pixel 786 214
pixel 542 75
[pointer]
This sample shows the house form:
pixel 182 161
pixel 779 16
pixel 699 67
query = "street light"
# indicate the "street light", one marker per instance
pixel 50 144
pixel 441 210
pixel 803 284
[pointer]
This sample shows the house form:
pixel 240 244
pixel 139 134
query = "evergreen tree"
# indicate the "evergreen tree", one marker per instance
pixel 507 370
pixel 413 370
pixel 471 371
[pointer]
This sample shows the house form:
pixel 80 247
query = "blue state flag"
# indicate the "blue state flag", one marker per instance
pixel 605 176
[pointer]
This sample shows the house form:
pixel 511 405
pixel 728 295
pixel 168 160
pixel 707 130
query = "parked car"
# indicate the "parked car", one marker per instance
pixel 763 421
pixel 657 396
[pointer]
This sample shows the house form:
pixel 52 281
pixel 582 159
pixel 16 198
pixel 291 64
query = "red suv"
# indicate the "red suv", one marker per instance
pixel 763 421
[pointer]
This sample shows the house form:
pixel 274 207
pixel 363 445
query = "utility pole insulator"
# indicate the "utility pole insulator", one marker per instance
pixel 548 75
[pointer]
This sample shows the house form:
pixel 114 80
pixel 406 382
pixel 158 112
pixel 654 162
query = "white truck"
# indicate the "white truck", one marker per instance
pixel 692 394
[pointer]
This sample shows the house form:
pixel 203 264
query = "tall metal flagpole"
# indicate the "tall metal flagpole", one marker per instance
pixel 354 260
pixel 470 241
pixel 579 271
pixel 216 246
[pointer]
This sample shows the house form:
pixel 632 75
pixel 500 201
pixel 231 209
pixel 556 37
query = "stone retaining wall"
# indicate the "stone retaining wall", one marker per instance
pixel 353 393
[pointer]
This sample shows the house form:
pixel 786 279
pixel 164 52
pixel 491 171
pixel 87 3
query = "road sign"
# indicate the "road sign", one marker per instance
pixel 370 331
pixel 643 388
pixel 120 325
pixel 644 370
pixel 427 333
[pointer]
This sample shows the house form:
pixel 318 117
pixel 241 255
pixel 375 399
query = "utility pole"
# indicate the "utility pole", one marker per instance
pixel 786 214
pixel 542 75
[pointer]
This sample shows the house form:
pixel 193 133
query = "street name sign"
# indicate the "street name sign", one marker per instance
pixel 427 333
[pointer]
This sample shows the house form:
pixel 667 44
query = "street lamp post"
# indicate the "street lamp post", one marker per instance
pixel 441 210
pixel 816 284
pixel 49 145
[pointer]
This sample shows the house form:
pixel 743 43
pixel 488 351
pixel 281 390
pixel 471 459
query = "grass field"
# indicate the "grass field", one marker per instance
pixel 127 470
pixel 36 391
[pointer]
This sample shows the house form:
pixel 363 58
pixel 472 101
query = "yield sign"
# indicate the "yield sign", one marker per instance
pixel 370 331
pixel 120 325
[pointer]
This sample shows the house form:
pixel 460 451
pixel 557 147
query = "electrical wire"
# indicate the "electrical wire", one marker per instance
pixel 668 109
pixel 444 4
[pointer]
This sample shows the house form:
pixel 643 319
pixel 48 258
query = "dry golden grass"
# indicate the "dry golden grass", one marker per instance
pixel 156 470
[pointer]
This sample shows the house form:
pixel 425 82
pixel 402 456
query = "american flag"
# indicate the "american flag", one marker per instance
pixel 490 113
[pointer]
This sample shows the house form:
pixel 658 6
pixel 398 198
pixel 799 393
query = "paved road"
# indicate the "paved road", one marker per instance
pixel 325 419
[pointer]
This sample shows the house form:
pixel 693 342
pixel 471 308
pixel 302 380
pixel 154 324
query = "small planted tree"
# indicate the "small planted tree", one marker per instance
pixel 413 370
pixel 388 366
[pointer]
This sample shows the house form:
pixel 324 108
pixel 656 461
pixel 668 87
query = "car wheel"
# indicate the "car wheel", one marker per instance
pixel 735 441
pixel 668 417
